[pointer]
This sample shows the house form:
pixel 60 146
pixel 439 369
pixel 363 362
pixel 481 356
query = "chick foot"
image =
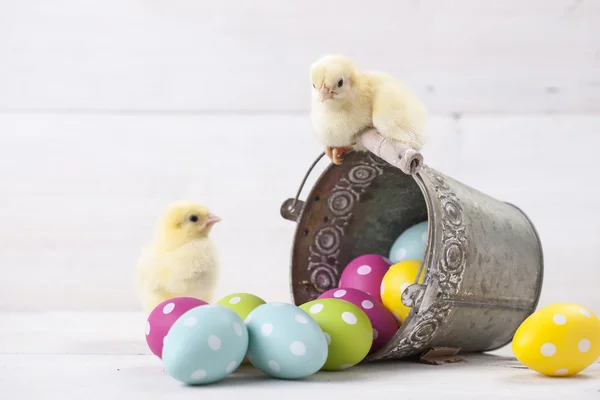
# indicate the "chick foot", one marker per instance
pixel 337 154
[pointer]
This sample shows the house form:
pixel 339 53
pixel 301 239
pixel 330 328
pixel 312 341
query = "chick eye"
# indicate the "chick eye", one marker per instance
pixel 314 86
pixel 340 83
pixel 193 218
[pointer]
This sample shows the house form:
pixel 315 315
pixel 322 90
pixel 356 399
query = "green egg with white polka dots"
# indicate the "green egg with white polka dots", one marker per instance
pixel 347 329
pixel 241 303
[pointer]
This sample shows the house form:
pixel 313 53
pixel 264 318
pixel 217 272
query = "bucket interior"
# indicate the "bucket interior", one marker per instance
pixel 333 229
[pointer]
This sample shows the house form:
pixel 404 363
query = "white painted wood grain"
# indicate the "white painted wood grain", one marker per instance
pixel 102 355
pixel 80 194
pixel 460 55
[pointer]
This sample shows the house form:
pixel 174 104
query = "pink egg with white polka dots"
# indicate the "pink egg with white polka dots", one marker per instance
pixel 163 317
pixel 382 320
pixel 366 273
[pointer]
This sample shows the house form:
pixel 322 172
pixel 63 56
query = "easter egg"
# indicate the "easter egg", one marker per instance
pixel 347 329
pixel 285 342
pixel 365 273
pixel 241 303
pixel 162 318
pixel 205 345
pixel 410 245
pixel 558 340
pixel 382 320
pixel 396 280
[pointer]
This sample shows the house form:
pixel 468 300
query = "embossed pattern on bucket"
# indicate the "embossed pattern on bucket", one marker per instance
pixel 483 261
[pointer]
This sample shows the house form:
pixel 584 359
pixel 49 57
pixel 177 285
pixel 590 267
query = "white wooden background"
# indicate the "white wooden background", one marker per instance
pixel 111 109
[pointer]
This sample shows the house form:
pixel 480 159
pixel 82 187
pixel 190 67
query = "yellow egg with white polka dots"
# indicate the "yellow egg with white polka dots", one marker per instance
pixel 395 281
pixel 558 340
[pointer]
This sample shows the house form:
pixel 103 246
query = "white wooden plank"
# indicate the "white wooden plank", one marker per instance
pixel 97 355
pixel 80 195
pixel 460 55
pixel 100 377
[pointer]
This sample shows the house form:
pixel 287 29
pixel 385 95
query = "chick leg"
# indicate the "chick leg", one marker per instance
pixel 329 152
pixel 338 154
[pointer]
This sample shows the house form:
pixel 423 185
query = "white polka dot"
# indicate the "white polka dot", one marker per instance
pixel 235 300
pixel 375 334
pixel 562 371
pixel 190 321
pixel 247 320
pixel 424 236
pixel 345 366
pixel 316 308
pixel 327 338
pixel 274 366
pixel 214 342
pixel 382 289
pixel 367 304
pixel 199 374
pixel 339 293
pixel 298 348
pixel 548 349
pixel 584 345
pixel 237 328
pixel 168 308
pixel 586 313
pixel 349 318
pixel 403 287
pixel 559 319
pixel 364 270
pixel 301 318
pixel 230 367
pixel 147 328
pixel 266 329
pixel 400 254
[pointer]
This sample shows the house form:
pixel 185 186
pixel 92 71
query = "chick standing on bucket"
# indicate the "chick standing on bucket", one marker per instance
pixel 347 101
pixel 182 259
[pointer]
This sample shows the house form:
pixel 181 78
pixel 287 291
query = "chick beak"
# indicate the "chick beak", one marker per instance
pixel 326 93
pixel 212 219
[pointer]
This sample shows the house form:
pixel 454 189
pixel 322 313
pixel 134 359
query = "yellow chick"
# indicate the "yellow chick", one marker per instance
pixel 346 101
pixel 182 259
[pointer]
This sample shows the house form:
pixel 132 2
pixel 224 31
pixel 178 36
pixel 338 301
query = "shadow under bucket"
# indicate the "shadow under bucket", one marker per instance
pixel 483 262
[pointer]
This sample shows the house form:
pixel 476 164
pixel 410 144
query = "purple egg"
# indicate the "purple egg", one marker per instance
pixel 384 323
pixel 366 273
pixel 163 316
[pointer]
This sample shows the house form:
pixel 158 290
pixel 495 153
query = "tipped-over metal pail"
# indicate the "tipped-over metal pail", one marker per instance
pixel 483 262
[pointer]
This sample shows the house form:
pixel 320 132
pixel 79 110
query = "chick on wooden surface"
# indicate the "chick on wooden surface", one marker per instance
pixel 347 101
pixel 181 260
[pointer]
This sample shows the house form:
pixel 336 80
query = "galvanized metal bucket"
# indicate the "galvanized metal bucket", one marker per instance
pixel 483 263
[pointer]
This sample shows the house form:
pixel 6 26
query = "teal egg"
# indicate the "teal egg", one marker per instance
pixel 410 245
pixel 204 345
pixel 285 341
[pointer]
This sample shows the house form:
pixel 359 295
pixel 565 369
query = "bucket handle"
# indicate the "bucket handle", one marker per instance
pixel 395 153
pixel 292 208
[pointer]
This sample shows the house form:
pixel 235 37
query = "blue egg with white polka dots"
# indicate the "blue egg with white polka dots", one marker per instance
pixel 410 245
pixel 285 341
pixel 204 345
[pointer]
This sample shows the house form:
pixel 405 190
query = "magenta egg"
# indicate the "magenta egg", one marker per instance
pixel 163 317
pixel 366 273
pixel 382 320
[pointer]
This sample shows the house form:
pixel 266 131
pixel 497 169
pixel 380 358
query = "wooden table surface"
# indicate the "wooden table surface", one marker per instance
pixel 96 355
